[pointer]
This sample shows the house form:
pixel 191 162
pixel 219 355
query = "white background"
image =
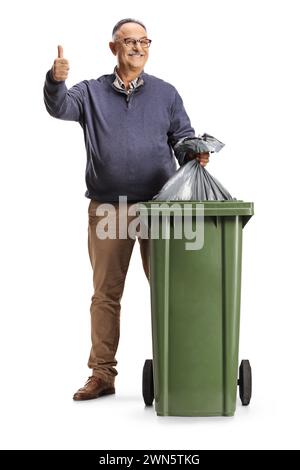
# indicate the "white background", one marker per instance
pixel 235 64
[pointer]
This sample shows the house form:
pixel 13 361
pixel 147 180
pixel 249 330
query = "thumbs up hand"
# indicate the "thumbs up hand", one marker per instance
pixel 60 68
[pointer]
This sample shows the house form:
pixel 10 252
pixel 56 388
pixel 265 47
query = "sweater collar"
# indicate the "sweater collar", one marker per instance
pixel 119 84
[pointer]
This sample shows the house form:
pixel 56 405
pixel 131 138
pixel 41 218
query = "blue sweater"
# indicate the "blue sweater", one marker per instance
pixel 128 138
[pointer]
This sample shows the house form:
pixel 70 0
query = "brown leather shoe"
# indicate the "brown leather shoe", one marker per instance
pixel 95 387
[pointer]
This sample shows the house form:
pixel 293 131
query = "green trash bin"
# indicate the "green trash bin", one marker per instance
pixel 195 308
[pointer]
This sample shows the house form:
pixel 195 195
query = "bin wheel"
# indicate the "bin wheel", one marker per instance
pixel 245 382
pixel 148 386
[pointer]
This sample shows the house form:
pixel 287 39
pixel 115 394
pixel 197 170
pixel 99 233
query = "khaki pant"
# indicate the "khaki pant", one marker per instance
pixel 110 260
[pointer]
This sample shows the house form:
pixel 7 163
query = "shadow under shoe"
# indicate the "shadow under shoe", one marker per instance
pixel 94 387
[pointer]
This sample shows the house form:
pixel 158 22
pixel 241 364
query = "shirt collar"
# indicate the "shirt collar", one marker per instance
pixel 118 82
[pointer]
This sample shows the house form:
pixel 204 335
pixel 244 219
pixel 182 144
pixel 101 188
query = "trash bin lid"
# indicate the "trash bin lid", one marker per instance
pixel 204 208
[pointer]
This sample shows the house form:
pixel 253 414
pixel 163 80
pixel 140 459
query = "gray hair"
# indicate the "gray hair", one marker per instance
pixel 124 21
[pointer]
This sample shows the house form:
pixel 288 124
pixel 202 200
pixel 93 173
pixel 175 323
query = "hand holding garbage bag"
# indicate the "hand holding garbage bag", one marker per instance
pixel 202 158
pixel 197 147
pixel 192 182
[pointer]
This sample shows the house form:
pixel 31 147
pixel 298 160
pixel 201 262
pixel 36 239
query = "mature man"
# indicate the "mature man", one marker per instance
pixel 131 122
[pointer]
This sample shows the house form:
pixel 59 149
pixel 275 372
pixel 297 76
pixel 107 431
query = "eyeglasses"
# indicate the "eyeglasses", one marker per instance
pixel 130 42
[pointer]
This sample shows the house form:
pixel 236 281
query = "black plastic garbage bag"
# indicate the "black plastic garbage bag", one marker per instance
pixel 192 181
pixel 203 144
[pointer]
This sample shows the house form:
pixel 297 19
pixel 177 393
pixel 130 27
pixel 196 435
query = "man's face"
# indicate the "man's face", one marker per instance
pixel 131 58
